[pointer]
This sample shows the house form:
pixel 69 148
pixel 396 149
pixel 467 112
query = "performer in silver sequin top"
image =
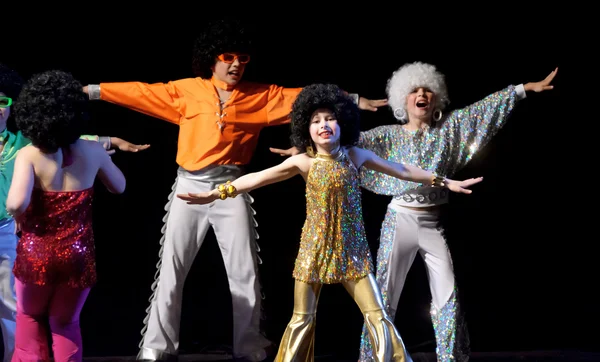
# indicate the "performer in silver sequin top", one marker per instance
pixel 437 142
pixel 441 143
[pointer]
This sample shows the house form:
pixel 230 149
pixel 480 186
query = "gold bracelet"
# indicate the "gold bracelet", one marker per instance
pixel 227 190
pixel 438 181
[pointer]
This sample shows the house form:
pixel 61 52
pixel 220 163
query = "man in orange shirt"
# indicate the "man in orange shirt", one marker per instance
pixel 220 118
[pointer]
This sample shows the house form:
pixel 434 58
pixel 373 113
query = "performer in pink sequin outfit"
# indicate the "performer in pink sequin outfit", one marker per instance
pixel 51 199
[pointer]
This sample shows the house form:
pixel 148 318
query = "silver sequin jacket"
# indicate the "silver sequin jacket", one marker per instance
pixel 443 148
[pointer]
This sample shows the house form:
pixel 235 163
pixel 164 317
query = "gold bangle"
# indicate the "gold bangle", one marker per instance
pixel 438 181
pixel 227 190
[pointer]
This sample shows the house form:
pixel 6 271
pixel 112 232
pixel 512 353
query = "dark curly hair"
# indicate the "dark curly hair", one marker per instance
pixel 327 96
pixel 52 110
pixel 11 84
pixel 220 36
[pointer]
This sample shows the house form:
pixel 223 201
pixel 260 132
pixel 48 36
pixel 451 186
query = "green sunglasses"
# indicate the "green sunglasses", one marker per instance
pixel 5 102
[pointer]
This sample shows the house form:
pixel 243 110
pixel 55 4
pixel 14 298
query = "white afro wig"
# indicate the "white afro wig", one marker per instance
pixel 411 76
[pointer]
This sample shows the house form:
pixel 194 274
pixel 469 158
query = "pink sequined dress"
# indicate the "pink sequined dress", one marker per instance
pixel 57 242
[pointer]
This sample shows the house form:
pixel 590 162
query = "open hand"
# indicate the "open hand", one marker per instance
pixel 292 151
pixel 371 104
pixel 543 85
pixel 200 198
pixel 122 145
pixel 461 186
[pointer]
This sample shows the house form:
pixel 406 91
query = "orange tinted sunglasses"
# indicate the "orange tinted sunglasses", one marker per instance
pixel 230 58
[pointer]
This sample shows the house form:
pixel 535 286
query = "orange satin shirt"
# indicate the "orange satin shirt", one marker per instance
pixel 208 135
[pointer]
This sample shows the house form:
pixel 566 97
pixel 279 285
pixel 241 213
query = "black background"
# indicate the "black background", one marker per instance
pixel 519 255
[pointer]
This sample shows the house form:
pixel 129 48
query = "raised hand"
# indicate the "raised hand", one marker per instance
pixel 543 85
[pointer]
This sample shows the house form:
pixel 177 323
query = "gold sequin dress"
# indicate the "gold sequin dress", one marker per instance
pixel 333 246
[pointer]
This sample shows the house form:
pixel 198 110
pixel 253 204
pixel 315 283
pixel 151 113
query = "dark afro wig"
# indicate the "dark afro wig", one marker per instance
pixel 52 110
pixel 328 96
pixel 219 36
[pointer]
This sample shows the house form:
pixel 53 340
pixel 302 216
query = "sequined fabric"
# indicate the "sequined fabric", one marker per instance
pixel 386 241
pixel 448 324
pixel 333 246
pixel 443 148
pixel 57 242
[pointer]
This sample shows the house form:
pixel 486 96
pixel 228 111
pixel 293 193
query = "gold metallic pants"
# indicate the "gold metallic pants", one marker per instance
pixel 297 344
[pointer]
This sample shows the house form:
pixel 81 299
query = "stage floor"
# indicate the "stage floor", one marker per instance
pixel 527 356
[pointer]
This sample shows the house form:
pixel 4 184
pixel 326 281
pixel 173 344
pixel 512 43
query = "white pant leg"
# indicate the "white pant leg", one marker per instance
pixel 8 298
pixel 233 222
pixel 452 340
pixel 185 230
pixel 414 231
pixel 405 246
pixel 438 262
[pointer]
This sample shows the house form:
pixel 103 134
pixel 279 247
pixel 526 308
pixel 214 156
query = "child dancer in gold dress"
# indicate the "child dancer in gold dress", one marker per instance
pixel 333 246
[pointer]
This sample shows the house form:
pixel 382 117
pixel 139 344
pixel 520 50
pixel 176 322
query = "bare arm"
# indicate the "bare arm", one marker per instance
pixel 111 144
pixel 285 170
pixel 117 143
pixel 369 159
pixel 109 174
pixel 398 170
pixel 21 185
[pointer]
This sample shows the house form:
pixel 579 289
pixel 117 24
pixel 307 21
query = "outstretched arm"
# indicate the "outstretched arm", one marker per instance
pixel 542 85
pixel 371 104
pixel 116 143
pixel 370 160
pixel 110 175
pixel 280 100
pixel 112 144
pixel 160 100
pixel 292 151
pixel 367 104
pixel 474 126
pixel 249 182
